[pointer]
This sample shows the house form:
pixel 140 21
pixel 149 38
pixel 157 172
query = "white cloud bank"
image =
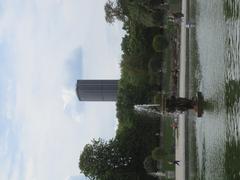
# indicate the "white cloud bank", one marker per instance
pixel 39 37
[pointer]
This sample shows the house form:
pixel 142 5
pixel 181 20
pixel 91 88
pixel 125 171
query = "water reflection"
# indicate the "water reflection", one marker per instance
pixel 232 147
pixel 217 133
pixel 231 9
pixel 232 161
pixel 209 105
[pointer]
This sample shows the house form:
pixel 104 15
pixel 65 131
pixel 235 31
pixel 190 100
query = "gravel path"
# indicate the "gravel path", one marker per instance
pixel 180 136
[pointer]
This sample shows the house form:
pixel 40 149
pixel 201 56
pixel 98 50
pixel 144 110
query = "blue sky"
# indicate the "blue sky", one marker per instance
pixel 45 46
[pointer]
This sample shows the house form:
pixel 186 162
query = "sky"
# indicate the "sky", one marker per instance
pixel 45 46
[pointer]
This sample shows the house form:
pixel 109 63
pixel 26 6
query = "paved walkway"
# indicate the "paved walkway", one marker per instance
pixel 180 136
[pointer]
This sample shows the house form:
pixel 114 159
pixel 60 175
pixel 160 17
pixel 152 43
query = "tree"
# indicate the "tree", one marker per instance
pixel 145 16
pixel 150 165
pixel 157 153
pixel 160 43
pixel 134 63
pixel 155 63
pixel 113 11
pixel 100 159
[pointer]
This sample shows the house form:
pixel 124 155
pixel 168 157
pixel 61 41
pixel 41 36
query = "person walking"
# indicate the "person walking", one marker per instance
pixel 175 162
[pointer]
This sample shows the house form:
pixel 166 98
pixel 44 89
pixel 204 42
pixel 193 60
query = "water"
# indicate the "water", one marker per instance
pixel 217 133
pixel 149 109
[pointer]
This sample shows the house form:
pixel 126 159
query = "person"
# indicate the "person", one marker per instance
pixel 176 17
pixel 175 162
pixel 174 125
pixel 190 25
pixel 174 20
pixel 175 72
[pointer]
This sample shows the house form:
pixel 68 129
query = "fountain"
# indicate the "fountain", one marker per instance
pixel 149 109
pixel 172 105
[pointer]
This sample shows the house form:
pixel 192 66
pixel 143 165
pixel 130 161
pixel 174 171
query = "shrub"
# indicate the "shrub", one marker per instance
pixel 157 99
pixel 155 64
pixel 157 153
pixel 160 43
pixel 150 165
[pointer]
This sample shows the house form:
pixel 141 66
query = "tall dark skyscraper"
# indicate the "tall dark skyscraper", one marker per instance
pixel 97 90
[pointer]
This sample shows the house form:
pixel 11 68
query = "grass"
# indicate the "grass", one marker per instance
pixel 168 143
pixel 168 132
pixel 175 5
pixel 167 70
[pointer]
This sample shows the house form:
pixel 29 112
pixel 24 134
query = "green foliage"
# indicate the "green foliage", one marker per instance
pixel 157 99
pixel 167 64
pixel 160 43
pixel 145 16
pixel 138 38
pixel 139 140
pixel 157 153
pixel 150 165
pixel 129 95
pixel 122 157
pixel 134 63
pixel 136 133
pixel 155 63
pixel 112 11
pixel 155 71
pixel 101 158
pixel 168 143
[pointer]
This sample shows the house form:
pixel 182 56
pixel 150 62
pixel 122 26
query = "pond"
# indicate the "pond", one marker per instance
pixel 214 139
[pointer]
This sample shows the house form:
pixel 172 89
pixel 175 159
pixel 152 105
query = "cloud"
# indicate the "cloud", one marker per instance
pixel 44 42
pixel 71 105
pixel 74 68
pixel 79 177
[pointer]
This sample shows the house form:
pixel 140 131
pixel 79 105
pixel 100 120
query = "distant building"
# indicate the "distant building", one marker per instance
pixel 97 90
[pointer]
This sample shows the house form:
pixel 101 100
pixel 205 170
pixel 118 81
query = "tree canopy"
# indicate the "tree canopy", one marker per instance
pixel 113 11
pixel 122 157
pixel 101 159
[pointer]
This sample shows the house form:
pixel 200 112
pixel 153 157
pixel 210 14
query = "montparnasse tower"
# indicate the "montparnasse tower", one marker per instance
pixel 97 90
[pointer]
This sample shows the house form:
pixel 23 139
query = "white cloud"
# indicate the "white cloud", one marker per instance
pixel 68 96
pixel 79 177
pixel 40 37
